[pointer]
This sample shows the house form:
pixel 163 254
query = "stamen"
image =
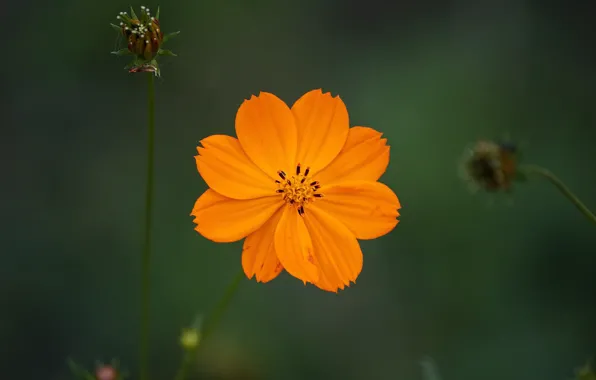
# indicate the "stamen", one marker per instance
pixel 297 189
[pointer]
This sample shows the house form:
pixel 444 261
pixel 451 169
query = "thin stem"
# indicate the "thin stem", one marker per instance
pixel 547 174
pixel 211 323
pixel 186 362
pixel 146 255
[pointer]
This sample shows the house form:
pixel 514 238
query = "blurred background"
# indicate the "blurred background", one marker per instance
pixel 491 288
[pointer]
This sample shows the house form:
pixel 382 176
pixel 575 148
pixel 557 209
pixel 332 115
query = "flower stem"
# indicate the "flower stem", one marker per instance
pixel 547 174
pixel 146 255
pixel 211 323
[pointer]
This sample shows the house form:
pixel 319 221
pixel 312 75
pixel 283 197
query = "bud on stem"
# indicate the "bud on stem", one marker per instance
pixel 144 39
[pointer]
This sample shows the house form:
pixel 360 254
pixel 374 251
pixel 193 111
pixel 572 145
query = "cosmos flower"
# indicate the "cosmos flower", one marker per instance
pixel 300 185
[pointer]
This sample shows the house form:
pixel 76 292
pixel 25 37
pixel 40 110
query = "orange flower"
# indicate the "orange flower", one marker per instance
pixel 300 185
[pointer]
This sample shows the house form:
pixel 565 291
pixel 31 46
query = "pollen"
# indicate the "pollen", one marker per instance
pixel 298 189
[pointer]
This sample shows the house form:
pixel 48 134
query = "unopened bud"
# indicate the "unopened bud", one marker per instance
pixel 491 166
pixel 144 39
pixel 143 34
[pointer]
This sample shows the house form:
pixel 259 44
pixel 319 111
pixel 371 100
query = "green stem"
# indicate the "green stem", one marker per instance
pixel 547 174
pixel 210 324
pixel 186 362
pixel 146 255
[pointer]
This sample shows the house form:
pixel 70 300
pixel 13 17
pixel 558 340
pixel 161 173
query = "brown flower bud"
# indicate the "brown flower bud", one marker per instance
pixel 491 166
pixel 143 34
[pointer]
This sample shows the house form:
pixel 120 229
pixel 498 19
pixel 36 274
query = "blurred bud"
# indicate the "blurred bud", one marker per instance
pixel 491 166
pixel 190 338
pixel 102 371
pixel 586 372
pixel 106 372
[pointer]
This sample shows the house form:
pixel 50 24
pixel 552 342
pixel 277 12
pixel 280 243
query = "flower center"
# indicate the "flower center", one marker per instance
pixel 298 189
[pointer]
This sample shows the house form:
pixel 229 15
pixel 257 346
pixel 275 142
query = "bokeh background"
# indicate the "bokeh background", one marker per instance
pixel 490 287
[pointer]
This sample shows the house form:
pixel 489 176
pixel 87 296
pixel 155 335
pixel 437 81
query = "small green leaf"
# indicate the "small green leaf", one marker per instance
pixel 116 28
pixel 122 52
pixel 157 14
pixel 133 14
pixel 170 35
pixel 167 53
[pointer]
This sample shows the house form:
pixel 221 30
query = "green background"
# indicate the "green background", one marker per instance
pixel 489 287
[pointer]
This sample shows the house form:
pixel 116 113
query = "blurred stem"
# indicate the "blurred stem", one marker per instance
pixel 547 174
pixel 210 324
pixel 186 362
pixel 146 256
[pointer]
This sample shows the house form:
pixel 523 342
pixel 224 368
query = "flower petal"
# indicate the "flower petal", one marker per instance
pixel 258 252
pixel 267 131
pixel 294 247
pixel 365 156
pixel 225 220
pixel 368 209
pixel 337 253
pixel 227 170
pixel 323 124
